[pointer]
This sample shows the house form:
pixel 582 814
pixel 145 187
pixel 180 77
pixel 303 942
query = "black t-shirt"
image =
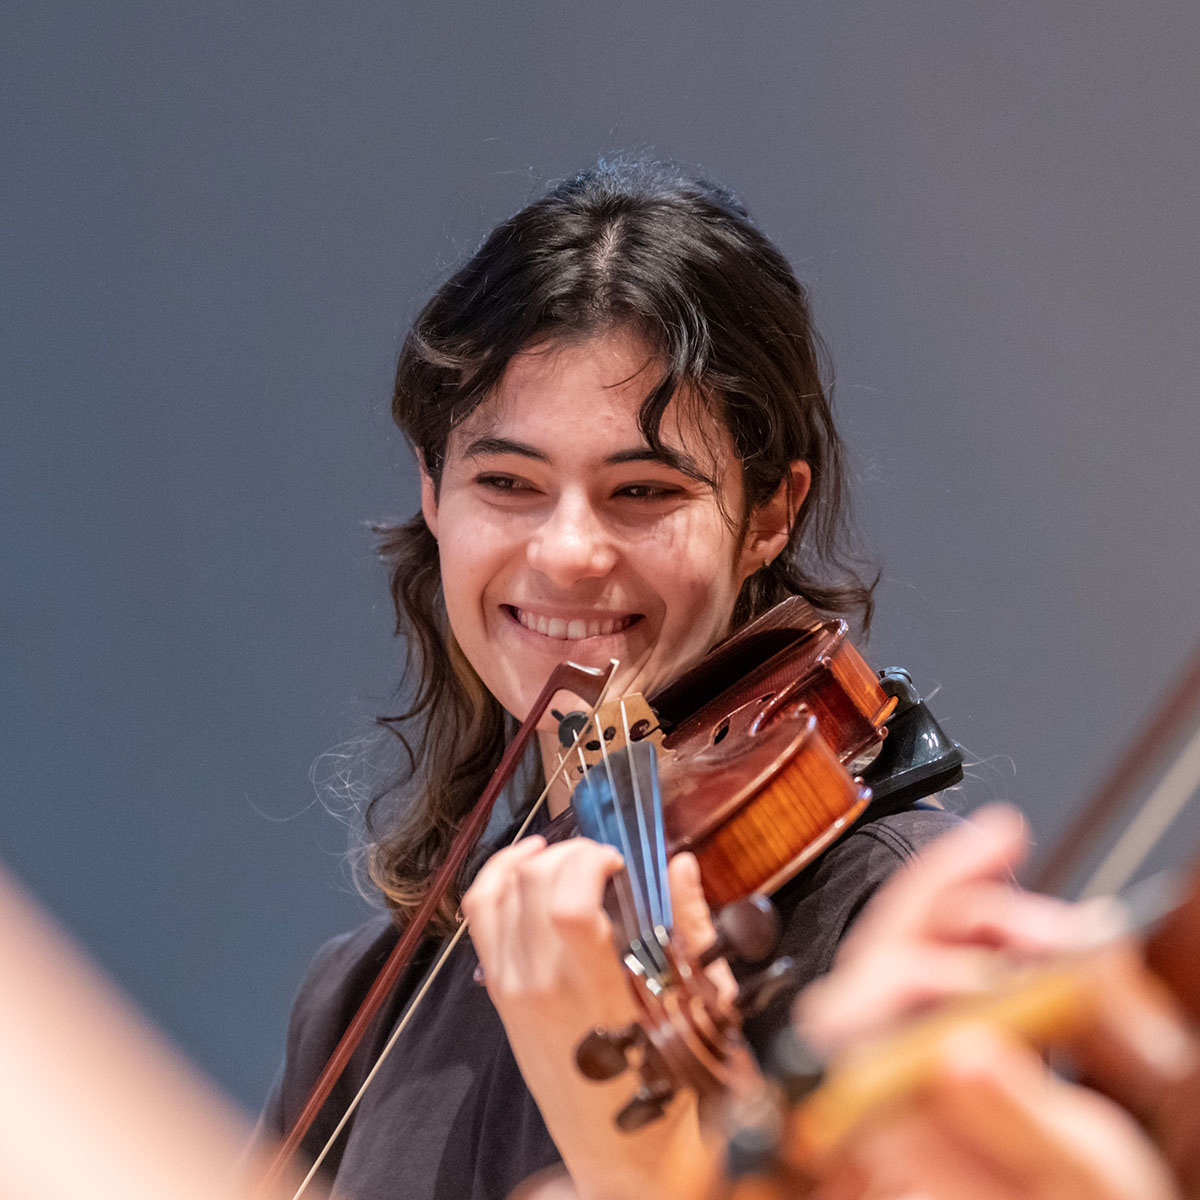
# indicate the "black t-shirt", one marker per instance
pixel 449 1116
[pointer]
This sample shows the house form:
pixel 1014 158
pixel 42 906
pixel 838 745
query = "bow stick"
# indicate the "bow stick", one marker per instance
pixel 588 683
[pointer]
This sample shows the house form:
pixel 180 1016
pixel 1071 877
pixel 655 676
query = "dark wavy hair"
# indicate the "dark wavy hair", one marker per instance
pixel 678 260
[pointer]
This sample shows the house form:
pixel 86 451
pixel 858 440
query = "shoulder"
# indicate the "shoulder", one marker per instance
pixel 337 979
pixel 836 887
pixel 823 901
pixel 878 847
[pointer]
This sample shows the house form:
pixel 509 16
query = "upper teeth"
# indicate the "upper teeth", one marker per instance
pixel 559 627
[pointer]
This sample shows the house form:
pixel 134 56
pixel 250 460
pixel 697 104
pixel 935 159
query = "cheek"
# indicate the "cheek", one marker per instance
pixel 472 548
pixel 465 572
pixel 699 603
pixel 705 567
pixel 697 543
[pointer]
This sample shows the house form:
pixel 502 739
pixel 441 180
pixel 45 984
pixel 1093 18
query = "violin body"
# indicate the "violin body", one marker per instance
pixel 787 656
pixel 756 779
pixel 757 809
pixel 755 769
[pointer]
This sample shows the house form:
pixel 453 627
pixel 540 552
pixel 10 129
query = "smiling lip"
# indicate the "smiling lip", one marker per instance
pixel 573 629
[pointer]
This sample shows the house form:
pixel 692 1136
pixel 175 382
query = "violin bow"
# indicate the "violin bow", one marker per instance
pixel 1164 726
pixel 590 684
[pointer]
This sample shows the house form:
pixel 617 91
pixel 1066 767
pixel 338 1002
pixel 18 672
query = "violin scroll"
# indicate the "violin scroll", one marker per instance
pixel 689 1032
pixel 688 1036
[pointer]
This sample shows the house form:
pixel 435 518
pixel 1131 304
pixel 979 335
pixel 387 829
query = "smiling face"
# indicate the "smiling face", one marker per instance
pixel 562 535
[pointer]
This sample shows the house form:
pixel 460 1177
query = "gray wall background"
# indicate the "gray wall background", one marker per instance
pixel 219 219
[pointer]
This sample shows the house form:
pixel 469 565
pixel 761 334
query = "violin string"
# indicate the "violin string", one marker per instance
pixel 659 844
pixel 637 885
pixel 565 757
pixel 626 900
pixel 586 792
pixel 1142 834
pixel 653 865
pixel 444 954
pixel 650 881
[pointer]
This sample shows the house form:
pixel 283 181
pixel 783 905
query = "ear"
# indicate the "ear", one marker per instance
pixel 771 523
pixel 428 496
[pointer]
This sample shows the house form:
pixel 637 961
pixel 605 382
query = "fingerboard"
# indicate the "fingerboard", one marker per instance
pixel 618 802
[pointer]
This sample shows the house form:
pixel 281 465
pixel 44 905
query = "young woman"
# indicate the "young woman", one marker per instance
pixel 626 451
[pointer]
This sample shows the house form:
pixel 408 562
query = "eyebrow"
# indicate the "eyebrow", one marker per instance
pixel 685 464
pixel 482 446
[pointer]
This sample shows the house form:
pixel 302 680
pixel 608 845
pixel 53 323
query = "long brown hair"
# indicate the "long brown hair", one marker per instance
pixel 678 259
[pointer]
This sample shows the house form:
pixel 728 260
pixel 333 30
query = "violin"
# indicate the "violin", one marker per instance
pixel 746 761
pixel 757 741
pixel 785 1133
pixel 756 781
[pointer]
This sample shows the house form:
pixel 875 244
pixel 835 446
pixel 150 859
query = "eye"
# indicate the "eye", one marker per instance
pixel 648 491
pixel 503 484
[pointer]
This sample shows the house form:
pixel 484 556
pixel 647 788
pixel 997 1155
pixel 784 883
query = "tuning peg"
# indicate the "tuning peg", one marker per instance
pixel 604 1053
pixel 649 1103
pixel 748 930
pixel 759 990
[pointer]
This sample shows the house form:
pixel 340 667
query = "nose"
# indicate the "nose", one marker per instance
pixel 572 543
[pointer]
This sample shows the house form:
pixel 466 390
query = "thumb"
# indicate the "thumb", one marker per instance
pixel 693 920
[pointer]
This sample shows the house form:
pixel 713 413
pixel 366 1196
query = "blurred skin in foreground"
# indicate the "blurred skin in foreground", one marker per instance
pixel 990 1121
pixel 94 1104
